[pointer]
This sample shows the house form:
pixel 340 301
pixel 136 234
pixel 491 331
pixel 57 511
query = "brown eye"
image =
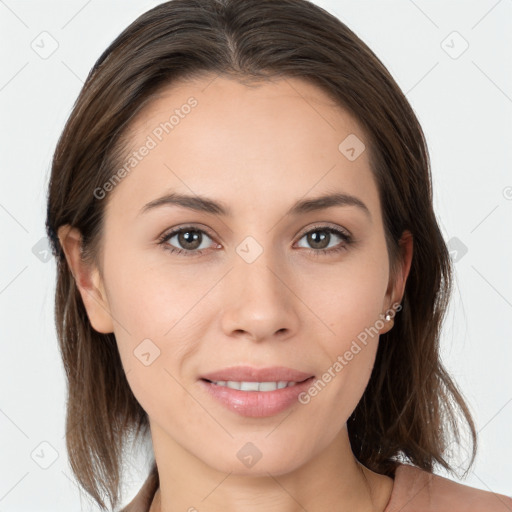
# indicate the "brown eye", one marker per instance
pixel 320 239
pixel 187 240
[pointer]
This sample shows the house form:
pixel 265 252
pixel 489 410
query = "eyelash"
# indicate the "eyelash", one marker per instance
pixel 347 240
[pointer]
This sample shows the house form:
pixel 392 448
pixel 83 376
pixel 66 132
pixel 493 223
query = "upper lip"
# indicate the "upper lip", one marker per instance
pixel 251 374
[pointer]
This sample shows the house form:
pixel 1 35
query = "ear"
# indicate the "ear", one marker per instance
pixel 396 286
pixel 88 280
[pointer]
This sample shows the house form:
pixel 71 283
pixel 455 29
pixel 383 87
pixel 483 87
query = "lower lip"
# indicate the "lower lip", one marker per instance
pixel 256 404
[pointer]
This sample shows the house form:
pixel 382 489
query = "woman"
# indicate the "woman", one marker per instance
pixel 250 270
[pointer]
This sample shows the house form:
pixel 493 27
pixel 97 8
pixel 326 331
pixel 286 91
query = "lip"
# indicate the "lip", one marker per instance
pixel 251 374
pixel 256 404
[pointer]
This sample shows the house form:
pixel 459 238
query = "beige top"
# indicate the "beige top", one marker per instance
pixel 414 490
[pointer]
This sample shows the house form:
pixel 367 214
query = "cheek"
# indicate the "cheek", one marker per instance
pixel 344 377
pixel 152 307
pixel 349 300
pixel 148 298
pixel 350 303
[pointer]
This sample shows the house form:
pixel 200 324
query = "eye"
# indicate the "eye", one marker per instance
pixel 192 241
pixel 188 237
pixel 320 237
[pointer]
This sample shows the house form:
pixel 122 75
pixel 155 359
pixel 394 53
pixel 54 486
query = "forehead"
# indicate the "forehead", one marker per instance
pixel 245 105
pixel 262 141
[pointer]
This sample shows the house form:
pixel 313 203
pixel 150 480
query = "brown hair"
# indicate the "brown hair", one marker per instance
pixel 410 403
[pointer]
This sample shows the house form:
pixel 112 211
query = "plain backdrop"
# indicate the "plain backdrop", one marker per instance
pixel 452 59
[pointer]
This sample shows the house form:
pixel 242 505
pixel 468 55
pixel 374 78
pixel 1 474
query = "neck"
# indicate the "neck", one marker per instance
pixel 332 480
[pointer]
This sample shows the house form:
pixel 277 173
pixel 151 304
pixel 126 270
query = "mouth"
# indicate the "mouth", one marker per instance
pixel 255 398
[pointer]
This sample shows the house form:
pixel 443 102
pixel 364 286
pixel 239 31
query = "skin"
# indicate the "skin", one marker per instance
pixel 258 149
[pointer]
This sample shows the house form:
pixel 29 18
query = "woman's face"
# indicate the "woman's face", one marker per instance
pixel 265 283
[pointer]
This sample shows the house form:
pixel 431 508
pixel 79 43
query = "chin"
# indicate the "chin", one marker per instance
pixel 258 458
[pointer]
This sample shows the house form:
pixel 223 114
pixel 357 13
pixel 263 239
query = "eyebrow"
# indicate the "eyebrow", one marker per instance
pixel 204 204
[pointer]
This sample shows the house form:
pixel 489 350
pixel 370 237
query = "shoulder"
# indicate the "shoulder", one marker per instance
pixel 416 490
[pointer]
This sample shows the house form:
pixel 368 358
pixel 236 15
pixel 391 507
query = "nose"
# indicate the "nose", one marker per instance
pixel 259 298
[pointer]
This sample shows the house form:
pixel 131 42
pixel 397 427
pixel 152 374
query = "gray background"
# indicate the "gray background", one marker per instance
pixel 462 97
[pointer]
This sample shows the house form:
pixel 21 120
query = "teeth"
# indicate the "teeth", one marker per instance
pixel 255 386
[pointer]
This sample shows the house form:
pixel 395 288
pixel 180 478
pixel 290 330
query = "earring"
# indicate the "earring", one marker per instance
pixel 388 318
